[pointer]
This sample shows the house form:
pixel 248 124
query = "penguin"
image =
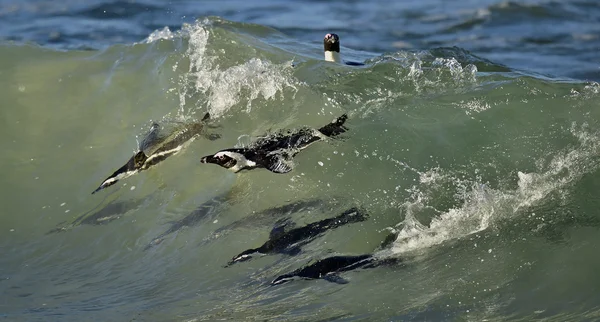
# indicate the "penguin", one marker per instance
pixel 102 214
pixel 261 217
pixel 290 242
pixel 328 268
pixel 207 210
pixel 331 49
pixel 158 144
pixel 275 152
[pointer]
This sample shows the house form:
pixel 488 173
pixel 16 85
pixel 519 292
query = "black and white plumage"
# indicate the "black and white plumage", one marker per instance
pixel 275 152
pixel 329 268
pixel 289 242
pixel 161 142
pixel 331 49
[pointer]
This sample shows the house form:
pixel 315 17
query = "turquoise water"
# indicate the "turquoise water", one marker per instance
pixel 486 171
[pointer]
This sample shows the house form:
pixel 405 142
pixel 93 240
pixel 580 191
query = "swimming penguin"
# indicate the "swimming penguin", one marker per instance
pixel 102 214
pixel 290 242
pixel 264 217
pixel 331 48
pixel 328 268
pixel 206 211
pixel 158 144
pixel 275 152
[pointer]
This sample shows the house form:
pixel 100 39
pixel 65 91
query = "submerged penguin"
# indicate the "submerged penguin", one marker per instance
pixel 207 210
pixel 275 152
pixel 102 214
pixel 290 242
pixel 331 48
pixel 158 144
pixel 328 268
pixel 265 216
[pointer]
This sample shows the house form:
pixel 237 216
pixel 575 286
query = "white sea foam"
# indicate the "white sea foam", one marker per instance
pixel 159 34
pixel 238 84
pixel 482 205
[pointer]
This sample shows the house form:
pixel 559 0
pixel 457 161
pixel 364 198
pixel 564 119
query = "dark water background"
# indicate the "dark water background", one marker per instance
pixel 473 135
pixel 560 38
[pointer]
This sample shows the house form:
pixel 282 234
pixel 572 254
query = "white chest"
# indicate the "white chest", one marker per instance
pixel 333 56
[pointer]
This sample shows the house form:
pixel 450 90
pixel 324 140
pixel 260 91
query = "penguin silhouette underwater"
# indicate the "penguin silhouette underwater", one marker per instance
pixel 289 242
pixel 329 268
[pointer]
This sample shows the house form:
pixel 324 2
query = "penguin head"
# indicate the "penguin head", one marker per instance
pixel 228 159
pixel 331 42
pixel 283 279
pixel 244 256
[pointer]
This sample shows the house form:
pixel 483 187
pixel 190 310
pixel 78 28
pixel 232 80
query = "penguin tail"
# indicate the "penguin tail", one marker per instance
pixel 336 127
pixel 206 117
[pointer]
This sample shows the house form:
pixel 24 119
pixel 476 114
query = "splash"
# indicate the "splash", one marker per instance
pixel 159 34
pixel 482 205
pixel 218 88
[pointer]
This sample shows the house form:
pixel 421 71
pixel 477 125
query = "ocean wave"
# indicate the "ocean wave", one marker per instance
pixel 441 145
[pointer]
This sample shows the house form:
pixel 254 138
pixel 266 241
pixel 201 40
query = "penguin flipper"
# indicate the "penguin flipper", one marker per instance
pixel 280 163
pixel 281 226
pixel 334 278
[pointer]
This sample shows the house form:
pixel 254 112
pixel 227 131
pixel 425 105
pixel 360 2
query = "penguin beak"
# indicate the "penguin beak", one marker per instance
pixel 207 159
pixel 281 279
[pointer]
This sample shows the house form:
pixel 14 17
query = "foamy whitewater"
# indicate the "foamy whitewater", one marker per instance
pixel 483 175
